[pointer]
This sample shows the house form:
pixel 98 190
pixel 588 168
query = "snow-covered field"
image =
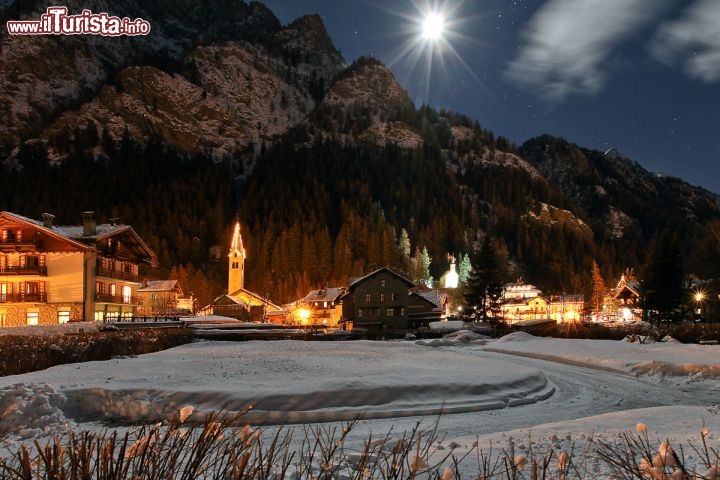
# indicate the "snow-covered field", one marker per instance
pixel 564 394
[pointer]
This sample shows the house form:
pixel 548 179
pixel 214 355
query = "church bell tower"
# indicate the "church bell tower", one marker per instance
pixel 236 261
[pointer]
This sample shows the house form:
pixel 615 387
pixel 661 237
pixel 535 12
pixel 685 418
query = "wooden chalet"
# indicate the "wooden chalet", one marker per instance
pixel 53 274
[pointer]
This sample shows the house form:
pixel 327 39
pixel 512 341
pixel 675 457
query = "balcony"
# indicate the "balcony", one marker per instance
pixel 22 246
pixel 28 270
pixel 23 297
pixel 107 298
pixel 129 277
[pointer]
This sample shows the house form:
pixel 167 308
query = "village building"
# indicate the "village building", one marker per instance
pixel 240 303
pixel 623 301
pixel 385 300
pixel 163 297
pixel 524 302
pixel 425 307
pixel 321 307
pixel 53 274
pixel 566 308
pixel 451 278
pixel 378 301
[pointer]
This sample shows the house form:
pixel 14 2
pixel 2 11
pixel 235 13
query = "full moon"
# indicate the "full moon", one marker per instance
pixel 433 26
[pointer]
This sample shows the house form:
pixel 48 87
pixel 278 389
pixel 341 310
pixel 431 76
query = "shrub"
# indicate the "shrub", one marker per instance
pixel 22 354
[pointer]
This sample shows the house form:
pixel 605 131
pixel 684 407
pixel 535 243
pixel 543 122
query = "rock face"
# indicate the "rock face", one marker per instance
pixel 216 77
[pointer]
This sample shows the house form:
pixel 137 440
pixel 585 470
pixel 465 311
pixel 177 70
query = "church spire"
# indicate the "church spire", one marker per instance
pixel 236 261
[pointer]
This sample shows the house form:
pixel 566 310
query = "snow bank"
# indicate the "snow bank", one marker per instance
pixel 669 358
pixel 458 337
pixel 31 410
pixel 516 337
pixel 283 382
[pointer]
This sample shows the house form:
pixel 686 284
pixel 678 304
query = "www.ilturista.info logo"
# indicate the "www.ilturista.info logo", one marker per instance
pixel 57 22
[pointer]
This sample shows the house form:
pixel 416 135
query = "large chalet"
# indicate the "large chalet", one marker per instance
pixel 53 274
pixel 385 300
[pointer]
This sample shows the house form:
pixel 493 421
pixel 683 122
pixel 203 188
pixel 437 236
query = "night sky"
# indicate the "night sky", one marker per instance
pixel 642 76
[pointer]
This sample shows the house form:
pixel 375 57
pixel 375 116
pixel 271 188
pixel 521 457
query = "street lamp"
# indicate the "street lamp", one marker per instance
pixel 699 296
pixel 304 315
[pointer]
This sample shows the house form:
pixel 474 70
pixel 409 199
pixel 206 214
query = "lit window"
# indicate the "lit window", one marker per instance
pixel 3 319
pixel 63 316
pixel 394 297
pixel 390 312
pixel 113 289
pixel 382 283
pixel 99 316
pixel 382 297
pixel 367 297
pixel 361 312
pixel 402 312
pixel 127 294
pixel 33 318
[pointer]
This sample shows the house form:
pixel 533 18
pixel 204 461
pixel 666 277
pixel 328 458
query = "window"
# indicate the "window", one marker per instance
pixel 367 297
pixel 113 289
pixel 3 319
pixel 402 312
pixel 99 316
pixel 394 297
pixel 382 297
pixel 3 292
pixel 32 261
pixel 361 312
pixel 33 318
pixel 153 296
pixel 382 283
pixel 63 316
pixel 31 288
pixel 390 312
pixel 127 294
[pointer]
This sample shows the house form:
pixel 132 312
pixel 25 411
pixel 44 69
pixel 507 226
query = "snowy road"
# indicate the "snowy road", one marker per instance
pixel 580 393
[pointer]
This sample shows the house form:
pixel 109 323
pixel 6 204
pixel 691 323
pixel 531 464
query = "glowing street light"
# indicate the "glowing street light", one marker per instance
pixel 304 315
pixel 699 296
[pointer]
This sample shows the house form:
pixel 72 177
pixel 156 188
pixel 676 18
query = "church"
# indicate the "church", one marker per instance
pixel 240 303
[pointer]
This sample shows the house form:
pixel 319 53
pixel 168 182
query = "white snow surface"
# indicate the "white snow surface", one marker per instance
pixel 539 393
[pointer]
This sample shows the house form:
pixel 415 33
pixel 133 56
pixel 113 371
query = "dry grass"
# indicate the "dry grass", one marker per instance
pixel 221 448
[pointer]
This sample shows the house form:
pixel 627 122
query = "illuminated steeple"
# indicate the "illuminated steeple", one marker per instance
pixel 236 261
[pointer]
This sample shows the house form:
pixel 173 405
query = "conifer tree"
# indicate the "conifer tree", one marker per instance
pixel 464 269
pixel 485 284
pixel 661 285
pixel 425 261
pixel 599 288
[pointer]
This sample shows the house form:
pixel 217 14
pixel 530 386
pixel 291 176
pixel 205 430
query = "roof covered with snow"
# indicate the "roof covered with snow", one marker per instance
pixel 159 286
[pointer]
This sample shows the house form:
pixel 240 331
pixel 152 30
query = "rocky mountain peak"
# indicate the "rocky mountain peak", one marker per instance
pixel 368 84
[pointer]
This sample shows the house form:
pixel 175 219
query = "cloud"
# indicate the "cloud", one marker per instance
pixel 568 44
pixel 692 40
